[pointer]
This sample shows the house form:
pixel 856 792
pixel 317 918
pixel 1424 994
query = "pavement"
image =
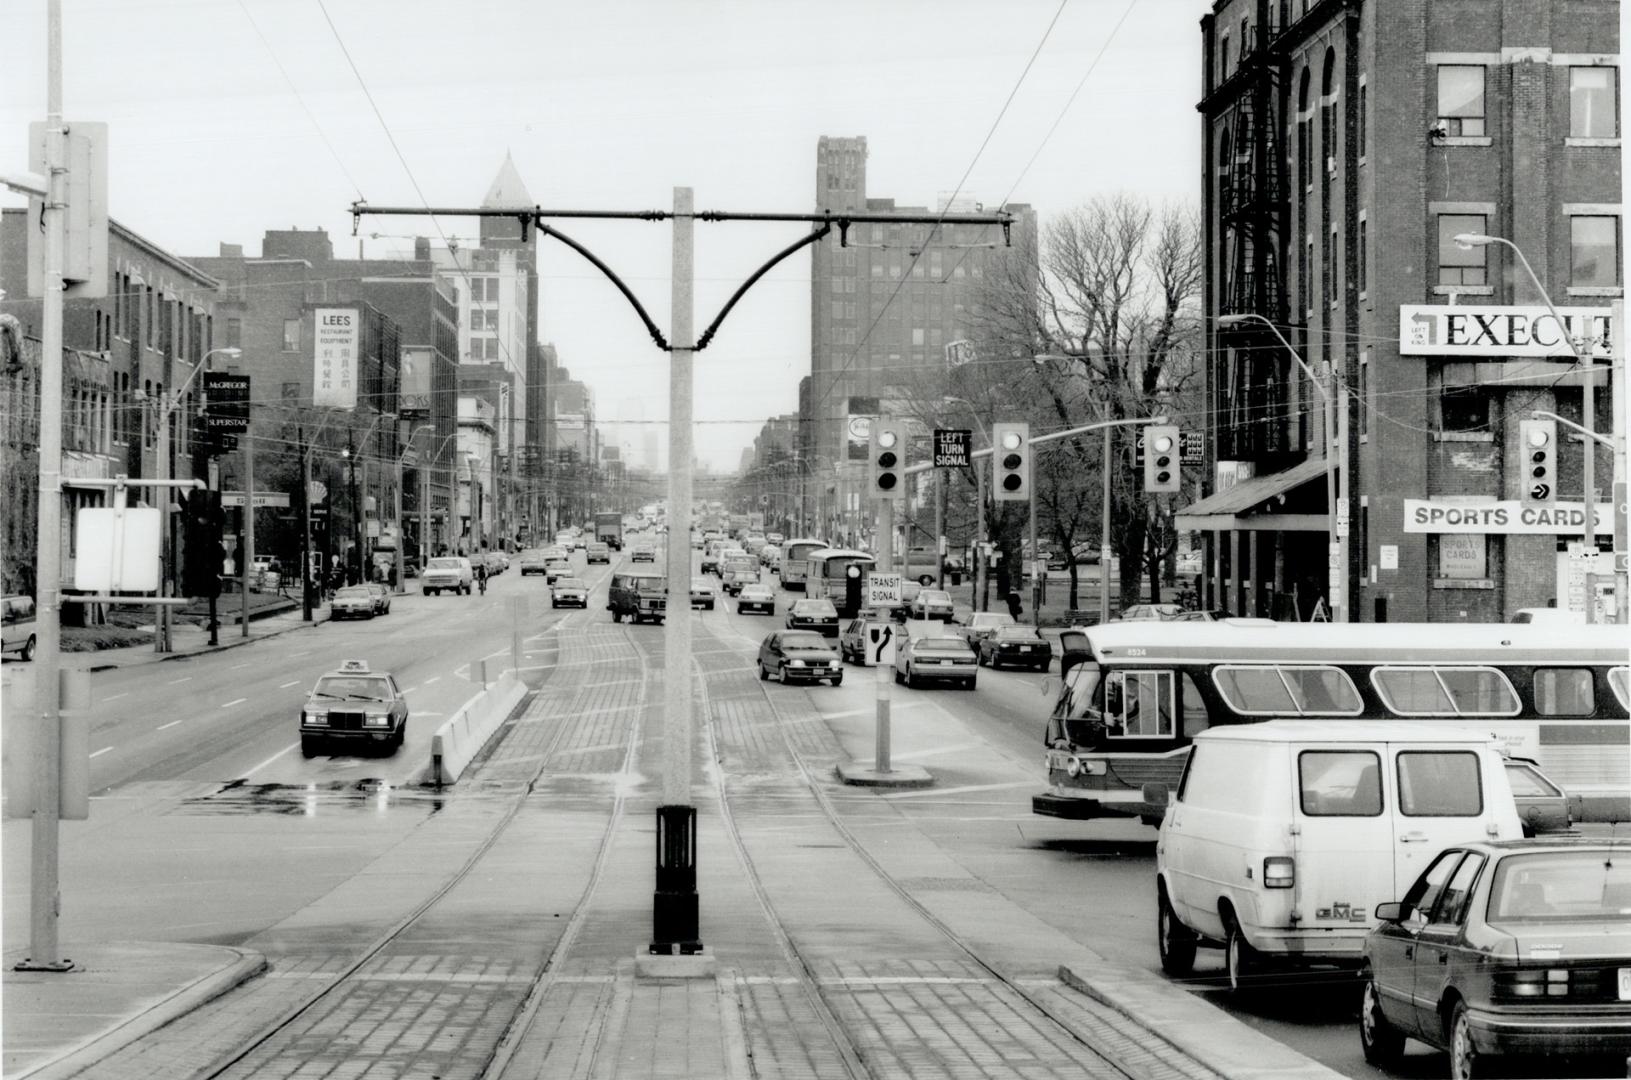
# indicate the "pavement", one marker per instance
pixel 150 1009
pixel 188 639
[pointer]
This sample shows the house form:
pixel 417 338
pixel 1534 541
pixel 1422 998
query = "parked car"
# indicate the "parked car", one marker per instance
pixel 702 593
pixel 1146 612
pixel 933 604
pixel 757 598
pixel 382 597
pixel 921 659
pixel 596 551
pixel 567 591
pixel 17 626
pixel 982 624
pixel 450 572
pixel 1515 947
pixel 817 614
pixel 1543 807
pixel 1015 646
pixel 352 602
pixel 799 656
pixel 1556 616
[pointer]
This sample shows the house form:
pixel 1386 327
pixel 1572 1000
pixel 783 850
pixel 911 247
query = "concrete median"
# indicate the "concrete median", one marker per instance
pixel 461 737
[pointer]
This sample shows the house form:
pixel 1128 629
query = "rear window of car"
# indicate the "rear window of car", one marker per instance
pixel 356 590
pixel 1018 633
pixel 1588 884
pixel 815 607
pixel 943 644
pixel 444 564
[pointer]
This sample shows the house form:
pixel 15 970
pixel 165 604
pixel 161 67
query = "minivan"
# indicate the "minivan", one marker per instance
pixel 1283 836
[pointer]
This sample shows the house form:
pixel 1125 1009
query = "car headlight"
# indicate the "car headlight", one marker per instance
pixel 314 718
pixel 796 663
pixel 379 720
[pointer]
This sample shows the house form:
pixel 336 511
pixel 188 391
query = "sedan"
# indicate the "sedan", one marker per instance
pixel 532 561
pixel 756 598
pixel 921 659
pixel 1515 946
pixel 353 602
pixel 382 597
pixel 933 604
pixel 982 624
pixel 1016 646
pixel 557 568
pixel 799 655
pixel 568 592
pixel 817 615
pixel 702 593
pixel 643 553
pixel 737 580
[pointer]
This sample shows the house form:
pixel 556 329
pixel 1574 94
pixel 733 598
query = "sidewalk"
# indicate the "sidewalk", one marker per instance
pixel 187 639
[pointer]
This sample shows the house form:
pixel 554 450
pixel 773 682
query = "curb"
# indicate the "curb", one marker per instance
pixel 246 966
pixel 224 646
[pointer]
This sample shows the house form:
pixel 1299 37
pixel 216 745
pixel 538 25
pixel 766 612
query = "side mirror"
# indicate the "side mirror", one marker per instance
pixel 1157 795
pixel 1392 911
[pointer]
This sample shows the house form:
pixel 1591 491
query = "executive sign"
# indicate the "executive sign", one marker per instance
pixel 951 448
pixel 1506 516
pixel 338 332
pixel 1474 331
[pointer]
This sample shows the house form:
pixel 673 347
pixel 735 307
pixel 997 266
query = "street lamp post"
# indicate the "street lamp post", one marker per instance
pixel 1588 402
pixel 1335 459
pixel 401 532
pixel 167 404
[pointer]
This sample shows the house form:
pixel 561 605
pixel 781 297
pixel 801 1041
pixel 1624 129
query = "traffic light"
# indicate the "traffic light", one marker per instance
pixel 1161 458
pixel 1011 460
pixel 1537 457
pixel 852 591
pixel 887 454
pixel 203 557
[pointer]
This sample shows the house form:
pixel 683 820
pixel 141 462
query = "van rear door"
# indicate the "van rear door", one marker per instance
pixel 1345 858
pixel 1441 802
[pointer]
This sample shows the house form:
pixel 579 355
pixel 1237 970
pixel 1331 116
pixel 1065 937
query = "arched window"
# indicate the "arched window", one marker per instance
pixel 1245 39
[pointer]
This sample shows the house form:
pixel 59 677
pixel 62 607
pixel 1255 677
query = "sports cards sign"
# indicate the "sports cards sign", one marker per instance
pixel 338 334
pixel 1506 516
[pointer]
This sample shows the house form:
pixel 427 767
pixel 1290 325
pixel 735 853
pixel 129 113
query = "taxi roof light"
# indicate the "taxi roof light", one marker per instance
pixel 355 667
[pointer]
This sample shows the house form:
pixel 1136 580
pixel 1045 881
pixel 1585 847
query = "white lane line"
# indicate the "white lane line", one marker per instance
pixel 99 753
pixel 943 792
pixel 235 701
pixel 409 689
pixel 271 759
pixel 286 685
pixel 235 667
pixel 115 697
pixel 184 678
pixel 430 680
pixel 171 724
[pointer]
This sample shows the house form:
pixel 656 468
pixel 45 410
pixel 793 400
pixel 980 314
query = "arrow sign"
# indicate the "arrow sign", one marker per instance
pixel 881 638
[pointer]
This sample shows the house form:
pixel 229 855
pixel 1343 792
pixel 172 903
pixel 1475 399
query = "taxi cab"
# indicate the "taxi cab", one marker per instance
pixel 356 707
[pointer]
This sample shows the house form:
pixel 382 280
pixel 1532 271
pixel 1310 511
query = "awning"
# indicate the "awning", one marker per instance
pixel 1236 508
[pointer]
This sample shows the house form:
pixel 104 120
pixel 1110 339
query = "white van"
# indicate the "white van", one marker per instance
pixel 1283 836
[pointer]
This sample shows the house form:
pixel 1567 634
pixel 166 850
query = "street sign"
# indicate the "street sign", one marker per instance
pixel 262 498
pixel 885 590
pixel 226 410
pixel 951 448
pixel 881 644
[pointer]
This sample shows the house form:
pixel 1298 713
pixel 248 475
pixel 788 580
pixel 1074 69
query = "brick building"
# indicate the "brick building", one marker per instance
pixel 1346 146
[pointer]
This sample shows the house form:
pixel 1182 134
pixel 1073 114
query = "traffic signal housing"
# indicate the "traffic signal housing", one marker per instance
pixel 887 455
pixel 1161 457
pixel 1537 461
pixel 1011 462
pixel 203 557
pixel 853 584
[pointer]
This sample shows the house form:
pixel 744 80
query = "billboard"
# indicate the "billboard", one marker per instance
pixel 414 395
pixel 338 335
pixel 1479 331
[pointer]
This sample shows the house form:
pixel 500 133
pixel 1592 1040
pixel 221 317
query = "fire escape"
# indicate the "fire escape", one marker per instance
pixel 1246 112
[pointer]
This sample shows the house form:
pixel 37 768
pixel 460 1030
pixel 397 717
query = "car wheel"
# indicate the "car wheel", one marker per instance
pixel 1172 938
pixel 781 674
pixel 897 677
pixel 764 673
pixel 28 648
pixel 969 685
pixel 1465 1061
pixel 553 604
pixel 617 616
pixel 1243 962
pixel 839 681
pixel 308 746
pixel 1382 1043
pixel 911 680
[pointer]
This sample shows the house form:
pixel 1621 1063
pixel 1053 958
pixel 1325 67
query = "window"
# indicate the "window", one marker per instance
pixel 1331 266
pixel 291 335
pixel 1461 99
pixel 291 391
pixel 1594 251
pixel 1339 783
pixel 1195 716
pixel 1423 895
pixel 1564 692
pixel 1364 119
pixel 1364 257
pixel 917 335
pixel 1452 906
pixel 1138 704
pixel 1444 691
pixel 1223 58
pixel 1464 408
pixel 1439 783
pixel 1364 395
pixel 1619 680
pixel 1459 265
pixel 1303 691
pixel 1592 94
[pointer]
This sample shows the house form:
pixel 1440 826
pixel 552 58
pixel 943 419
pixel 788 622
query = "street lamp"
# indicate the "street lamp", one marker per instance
pixel 1588 403
pixel 167 405
pixel 1335 452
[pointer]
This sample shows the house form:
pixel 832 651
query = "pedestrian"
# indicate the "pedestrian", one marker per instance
pixel 1015 609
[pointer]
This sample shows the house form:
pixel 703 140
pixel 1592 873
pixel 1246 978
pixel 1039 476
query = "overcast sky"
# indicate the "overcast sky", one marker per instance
pixel 228 118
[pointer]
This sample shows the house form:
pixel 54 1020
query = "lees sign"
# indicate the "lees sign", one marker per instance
pixel 1508 516
pixel 1474 331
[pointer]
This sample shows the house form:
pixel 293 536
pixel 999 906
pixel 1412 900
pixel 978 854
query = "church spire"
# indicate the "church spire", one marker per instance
pixel 507 189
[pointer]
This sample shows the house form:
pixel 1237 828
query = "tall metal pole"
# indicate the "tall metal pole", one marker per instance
pixel 305 532
pixel 981 569
pixel 1105 555
pixel 249 527
pixel 674 909
pixel 1038 565
pixel 939 528
pixel 886 564
pixel 43 891
pixel 1337 571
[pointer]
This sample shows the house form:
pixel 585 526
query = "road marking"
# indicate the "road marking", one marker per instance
pixel 235 667
pixel 965 789
pixel 99 753
pixel 430 680
pixel 237 701
pixel 171 724
pixel 271 759
pixel 184 678
pixel 286 685
pixel 115 697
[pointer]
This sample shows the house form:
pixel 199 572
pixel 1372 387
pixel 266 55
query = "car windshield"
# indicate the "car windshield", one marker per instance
pixel 353 687
pixel 444 564
pixel 1592 884
pixel 805 643
pixel 701 583
pixel 646 584
pixel 815 607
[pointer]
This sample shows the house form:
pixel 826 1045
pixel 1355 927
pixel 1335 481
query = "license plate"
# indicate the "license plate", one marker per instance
pixel 1024 648
pixel 1625 984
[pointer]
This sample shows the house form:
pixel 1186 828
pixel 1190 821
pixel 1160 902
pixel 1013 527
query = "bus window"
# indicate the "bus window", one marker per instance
pixel 1323 691
pixel 1077 708
pixel 1480 691
pixel 1287 691
pixel 1138 705
pixel 1620 679
pixel 1254 691
pixel 1195 716
pixel 1564 692
pixel 1446 691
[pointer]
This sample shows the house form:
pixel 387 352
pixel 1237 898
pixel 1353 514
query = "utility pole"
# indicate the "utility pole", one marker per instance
pixel 306 582
pixel 249 527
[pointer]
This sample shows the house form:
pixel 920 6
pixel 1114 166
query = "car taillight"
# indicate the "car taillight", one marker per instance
pixel 1279 872
pixel 1531 983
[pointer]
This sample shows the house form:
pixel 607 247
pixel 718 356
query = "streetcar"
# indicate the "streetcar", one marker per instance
pixel 1132 695
pixel 828 575
pixel 795 560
